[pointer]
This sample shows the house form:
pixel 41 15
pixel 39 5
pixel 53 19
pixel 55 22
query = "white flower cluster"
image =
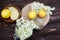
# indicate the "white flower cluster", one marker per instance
pixel 14 13
pixel 24 28
pixel 37 5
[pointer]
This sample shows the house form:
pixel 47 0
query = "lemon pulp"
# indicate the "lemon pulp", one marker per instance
pixel 5 13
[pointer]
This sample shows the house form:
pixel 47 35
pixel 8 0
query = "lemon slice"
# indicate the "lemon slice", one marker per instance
pixel 5 13
pixel 14 13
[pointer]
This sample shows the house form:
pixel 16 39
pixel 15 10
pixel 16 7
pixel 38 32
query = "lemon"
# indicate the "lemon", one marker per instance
pixel 32 14
pixel 5 13
pixel 42 13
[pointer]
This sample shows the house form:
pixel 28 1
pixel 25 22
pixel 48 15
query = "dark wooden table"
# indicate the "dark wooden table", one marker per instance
pixel 50 32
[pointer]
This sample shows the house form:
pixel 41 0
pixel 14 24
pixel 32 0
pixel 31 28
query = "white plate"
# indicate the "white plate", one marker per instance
pixel 40 22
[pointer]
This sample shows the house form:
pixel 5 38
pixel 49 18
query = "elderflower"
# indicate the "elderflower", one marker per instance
pixel 24 28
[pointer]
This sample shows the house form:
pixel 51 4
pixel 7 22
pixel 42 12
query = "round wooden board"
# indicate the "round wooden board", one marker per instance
pixel 6 7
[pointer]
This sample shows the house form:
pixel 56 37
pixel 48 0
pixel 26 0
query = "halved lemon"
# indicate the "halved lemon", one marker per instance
pixel 32 14
pixel 5 13
pixel 42 13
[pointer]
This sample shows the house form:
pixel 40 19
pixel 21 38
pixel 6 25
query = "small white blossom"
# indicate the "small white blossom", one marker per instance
pixel 24 28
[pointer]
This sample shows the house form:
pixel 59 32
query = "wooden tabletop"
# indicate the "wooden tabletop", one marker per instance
pixel 50 32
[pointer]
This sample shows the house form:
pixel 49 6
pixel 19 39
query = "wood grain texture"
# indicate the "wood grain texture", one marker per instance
pixel 50 32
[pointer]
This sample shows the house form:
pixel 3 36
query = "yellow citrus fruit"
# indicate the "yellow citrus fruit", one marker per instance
pixel 32 14
pixel 42 13
pixel 5 13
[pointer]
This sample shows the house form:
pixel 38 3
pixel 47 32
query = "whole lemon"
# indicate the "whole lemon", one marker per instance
pixel 42 13
pixel 32 14
pixel 5 13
